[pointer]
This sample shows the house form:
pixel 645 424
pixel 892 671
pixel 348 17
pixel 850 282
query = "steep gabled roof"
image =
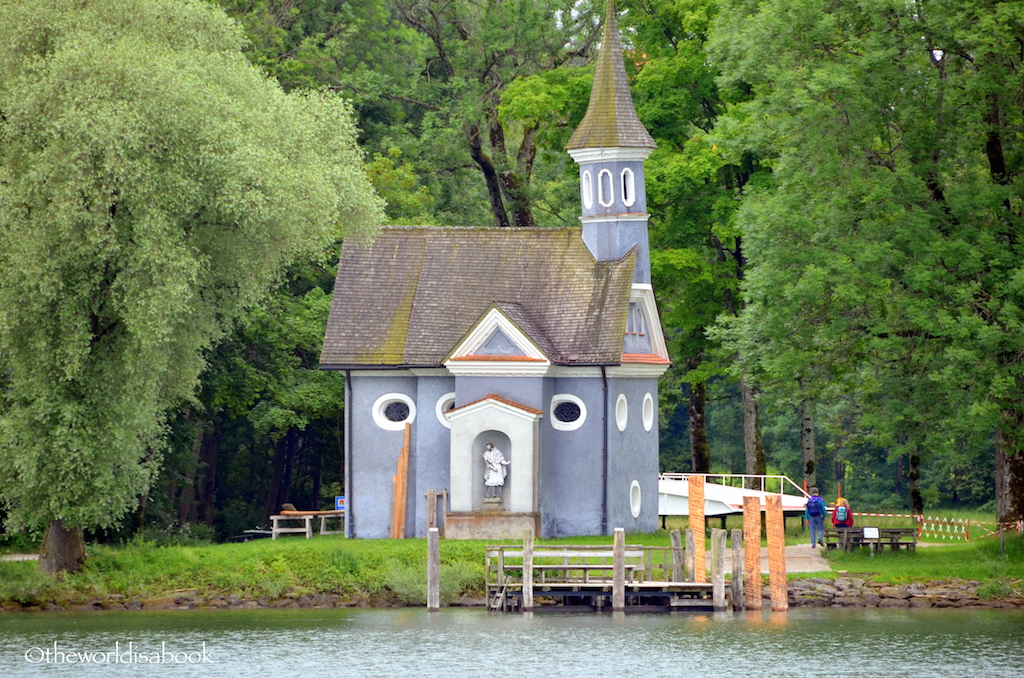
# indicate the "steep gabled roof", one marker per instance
pixel 410 297
pixel 611 120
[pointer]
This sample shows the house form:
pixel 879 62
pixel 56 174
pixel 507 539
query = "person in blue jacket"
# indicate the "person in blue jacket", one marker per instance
pixel 814 512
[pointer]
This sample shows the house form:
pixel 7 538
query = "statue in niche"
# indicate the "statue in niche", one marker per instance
pixel 494 470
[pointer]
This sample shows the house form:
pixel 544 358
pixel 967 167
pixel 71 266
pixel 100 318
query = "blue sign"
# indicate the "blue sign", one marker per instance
pixel 339 503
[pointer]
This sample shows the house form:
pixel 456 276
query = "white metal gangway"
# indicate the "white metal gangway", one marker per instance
pixel 724 492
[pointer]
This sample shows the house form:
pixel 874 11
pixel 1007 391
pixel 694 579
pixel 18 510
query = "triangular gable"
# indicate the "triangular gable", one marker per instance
pixel 497 345
pixel 495 336
pixel 493 400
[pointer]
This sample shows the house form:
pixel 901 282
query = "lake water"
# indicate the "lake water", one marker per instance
pixel 470 643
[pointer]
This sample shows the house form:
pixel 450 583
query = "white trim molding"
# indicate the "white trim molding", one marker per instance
pixel 588 155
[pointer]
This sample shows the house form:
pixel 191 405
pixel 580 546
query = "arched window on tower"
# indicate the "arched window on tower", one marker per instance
pixel 605 188
pixel 587 189
pixel 628 187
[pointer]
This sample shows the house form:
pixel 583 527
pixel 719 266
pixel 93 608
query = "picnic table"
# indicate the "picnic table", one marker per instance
pixel 875 538
pixel 306 518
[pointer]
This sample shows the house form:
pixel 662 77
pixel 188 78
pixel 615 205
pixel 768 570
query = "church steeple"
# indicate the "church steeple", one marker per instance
pixel 610 146
pixel 610 121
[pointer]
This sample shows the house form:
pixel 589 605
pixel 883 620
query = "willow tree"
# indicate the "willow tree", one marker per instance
pixel 152 185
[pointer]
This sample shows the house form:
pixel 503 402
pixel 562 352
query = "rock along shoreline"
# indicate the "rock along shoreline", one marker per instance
pixel 842 592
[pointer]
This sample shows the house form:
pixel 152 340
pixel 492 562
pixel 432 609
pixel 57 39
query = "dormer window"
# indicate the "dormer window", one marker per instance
pixel 628 187
pixel 605 188
pixel 636 324
pixel 587 189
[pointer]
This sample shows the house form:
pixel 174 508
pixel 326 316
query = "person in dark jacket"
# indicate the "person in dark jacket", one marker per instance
pixel 814 512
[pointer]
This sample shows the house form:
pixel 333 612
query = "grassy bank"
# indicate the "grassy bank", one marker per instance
pixel 386 571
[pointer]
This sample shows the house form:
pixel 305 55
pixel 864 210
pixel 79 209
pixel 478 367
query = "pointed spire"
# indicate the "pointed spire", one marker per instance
pixel 611 119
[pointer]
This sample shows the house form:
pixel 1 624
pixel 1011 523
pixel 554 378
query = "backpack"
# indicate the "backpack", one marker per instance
pixel 842 513
pixel 815 506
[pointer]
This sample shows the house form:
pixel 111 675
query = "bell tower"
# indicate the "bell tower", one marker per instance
pixel 610 146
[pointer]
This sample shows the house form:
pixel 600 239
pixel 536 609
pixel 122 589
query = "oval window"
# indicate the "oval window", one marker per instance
pixel 445 404
pixel 648 412
pixel 634 499
pixel 621 412
pixel 605 190
pixel 392 411
pixel 628 187
pixel 567 412
pixel 587 189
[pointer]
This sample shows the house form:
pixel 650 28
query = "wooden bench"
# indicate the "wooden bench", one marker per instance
pixel 850 538
pixel 306 518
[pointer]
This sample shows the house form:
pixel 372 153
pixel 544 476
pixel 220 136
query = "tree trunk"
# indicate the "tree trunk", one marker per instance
pixel 700 453
pixel 491 179
pixel 753 444
pixel 810 459
pixel 1009 470
pixel 914 482
pixel 206 477
pixel 63 550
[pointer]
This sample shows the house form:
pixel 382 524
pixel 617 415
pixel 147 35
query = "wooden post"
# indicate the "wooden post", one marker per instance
pixel 433 570
pixel 737 569
pixel 619 570
pixel 527 570
pixel 718 569
pixel 431 508
pixel 752 552
pixel 776 553
pixel 399 497
pixel 696 501
pixel 676 539
pixel 690 573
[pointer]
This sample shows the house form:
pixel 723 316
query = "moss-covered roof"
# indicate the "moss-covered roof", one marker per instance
pixel 410 297
pixel 611 120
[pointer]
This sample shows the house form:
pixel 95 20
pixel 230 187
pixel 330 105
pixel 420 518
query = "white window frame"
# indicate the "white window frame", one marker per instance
pixel 587 189
pixel 621 412
pixel 648 412
pixel 628 187
pixel 381 404
pixel 567 425
pixel 635 498
pixel 600 188
pixel 441 411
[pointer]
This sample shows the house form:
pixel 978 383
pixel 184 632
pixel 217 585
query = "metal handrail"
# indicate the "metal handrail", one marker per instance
pixel 742 477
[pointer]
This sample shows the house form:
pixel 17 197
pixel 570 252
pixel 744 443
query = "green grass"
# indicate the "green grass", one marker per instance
pixel 978 560
pixel 395 570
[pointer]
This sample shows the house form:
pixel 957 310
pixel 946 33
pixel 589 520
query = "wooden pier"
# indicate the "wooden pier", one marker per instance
pixel 524 577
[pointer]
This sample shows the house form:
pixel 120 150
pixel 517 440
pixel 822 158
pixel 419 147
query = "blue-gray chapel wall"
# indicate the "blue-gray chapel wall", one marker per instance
pixel 432 451
pixel 632 455
pixel 571 463
pixel 374 454
pixel 527 391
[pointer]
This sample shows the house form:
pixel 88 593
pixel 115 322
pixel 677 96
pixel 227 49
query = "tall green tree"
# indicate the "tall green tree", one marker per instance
pixel 152 185
pixel 886 247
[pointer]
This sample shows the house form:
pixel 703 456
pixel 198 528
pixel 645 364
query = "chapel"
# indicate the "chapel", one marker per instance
pixel 544 345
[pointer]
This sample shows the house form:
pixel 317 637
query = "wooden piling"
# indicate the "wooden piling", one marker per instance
pixel 431 508
pixel 678 568
pixel 752 552
pixel 696 501
pixel 776 552
pixel 690 573
pixel 737 569
pixel 619 570
pixel 527 570
pixel 433 570
pixel 718 569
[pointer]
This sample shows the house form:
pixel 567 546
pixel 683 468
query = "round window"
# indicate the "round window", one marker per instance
pixel 567 412
pixel 393 411
pixel 621 412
